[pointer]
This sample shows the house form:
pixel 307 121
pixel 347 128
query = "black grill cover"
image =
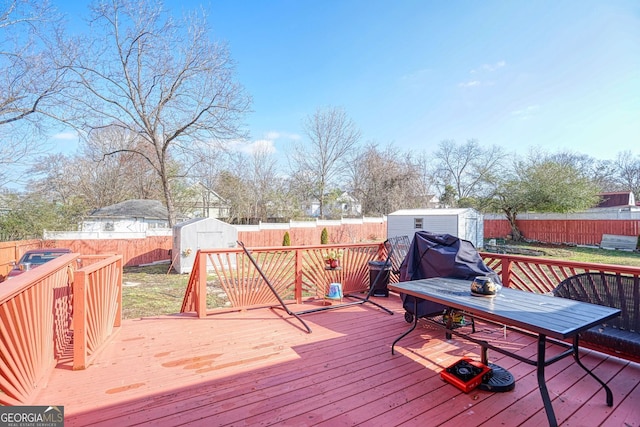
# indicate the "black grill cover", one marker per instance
pixel 440 255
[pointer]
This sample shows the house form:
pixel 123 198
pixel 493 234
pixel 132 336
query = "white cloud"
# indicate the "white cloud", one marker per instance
pixel 263 145
pixel 489 67
pixel 471 83
pixel 259 145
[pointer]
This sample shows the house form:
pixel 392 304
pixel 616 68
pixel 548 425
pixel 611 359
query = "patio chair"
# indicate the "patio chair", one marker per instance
pixel 397 249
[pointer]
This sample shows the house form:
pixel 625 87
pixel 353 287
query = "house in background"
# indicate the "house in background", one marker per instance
pixel 204 203
pixel 345 205
pixel 130 216
pixel 617 200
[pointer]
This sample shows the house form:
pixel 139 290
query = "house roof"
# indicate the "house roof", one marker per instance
pixel 136 208
pixel 615 199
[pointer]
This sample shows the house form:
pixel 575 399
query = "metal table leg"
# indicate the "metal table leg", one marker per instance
pixel 551 416
pixel 415 323
pixel 576 357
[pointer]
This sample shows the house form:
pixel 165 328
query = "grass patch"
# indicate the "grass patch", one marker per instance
pixel 150 291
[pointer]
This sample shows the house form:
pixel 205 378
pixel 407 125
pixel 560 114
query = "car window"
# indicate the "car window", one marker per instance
pixel 41 258
pixel 36 259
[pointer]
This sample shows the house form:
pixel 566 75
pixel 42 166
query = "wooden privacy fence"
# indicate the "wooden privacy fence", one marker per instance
pixel 338 232
pixel 574 231
pixel 37 311
pixel 297 273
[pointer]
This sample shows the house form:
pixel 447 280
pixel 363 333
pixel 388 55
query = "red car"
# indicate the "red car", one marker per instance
pixel 34 258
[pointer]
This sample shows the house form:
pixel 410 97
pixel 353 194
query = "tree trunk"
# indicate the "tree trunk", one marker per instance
pixel 516 234
pixel 166 187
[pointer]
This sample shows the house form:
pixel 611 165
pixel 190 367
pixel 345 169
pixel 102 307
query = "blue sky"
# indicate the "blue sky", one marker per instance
pixel 551 75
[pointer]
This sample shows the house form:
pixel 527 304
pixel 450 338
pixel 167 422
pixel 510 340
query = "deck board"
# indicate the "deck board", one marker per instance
pixel 259 367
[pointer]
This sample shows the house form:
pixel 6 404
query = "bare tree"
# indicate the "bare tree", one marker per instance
pixel 385 180
pixel 263 181
pixel 30 79
pixel 233 187
pixel 332 136
pixel 57 182
pixel 163 80
pixel 467 167
pixel 91 179
pixel 627 173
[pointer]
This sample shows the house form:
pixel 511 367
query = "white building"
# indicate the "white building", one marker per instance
pixel 199 233
pixel 344 205
pixel 132 216
pixel 466 224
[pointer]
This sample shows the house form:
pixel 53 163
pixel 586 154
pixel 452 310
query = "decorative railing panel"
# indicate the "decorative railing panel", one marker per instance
pixel 98 307
pixel 541 275
pixel 296 274
pixel 38 310
pixel 35 327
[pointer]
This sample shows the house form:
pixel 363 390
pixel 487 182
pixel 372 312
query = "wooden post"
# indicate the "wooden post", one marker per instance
pixel 298 276
pixel 201 305
pixel 79 320
pixel 506 272
pixel 118 320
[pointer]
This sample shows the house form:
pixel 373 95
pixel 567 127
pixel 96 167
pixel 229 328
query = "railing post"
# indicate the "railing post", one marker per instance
pixel 118 320
pixel 79 320
pixel 298 276
pixel 201 306
pixel 506 271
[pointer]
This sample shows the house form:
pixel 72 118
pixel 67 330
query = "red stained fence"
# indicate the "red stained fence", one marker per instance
pixel 580 232
pixel 304 236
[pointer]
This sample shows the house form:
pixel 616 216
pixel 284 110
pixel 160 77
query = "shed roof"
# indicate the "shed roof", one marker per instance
pixel 136 208
pixel 427 212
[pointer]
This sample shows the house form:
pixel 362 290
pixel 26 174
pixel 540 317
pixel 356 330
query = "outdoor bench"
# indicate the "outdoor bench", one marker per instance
pixel 621 335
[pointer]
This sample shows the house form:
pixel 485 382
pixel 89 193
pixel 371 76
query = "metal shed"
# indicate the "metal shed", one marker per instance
pixel 199 233
pixel 464 223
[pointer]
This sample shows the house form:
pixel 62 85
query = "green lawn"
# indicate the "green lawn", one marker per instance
pixel 150 291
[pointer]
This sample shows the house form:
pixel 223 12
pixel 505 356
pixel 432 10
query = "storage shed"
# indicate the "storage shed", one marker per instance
pixel 199 233
pixel 466 223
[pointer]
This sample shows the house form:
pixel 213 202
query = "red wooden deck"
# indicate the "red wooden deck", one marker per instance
pixel 260 367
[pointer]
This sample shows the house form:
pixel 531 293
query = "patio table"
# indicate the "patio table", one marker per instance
pixel 541 315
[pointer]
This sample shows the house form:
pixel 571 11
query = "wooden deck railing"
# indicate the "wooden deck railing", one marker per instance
pixel 541 275
pixel 37 312
pixel 297 273
pixel 97 306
